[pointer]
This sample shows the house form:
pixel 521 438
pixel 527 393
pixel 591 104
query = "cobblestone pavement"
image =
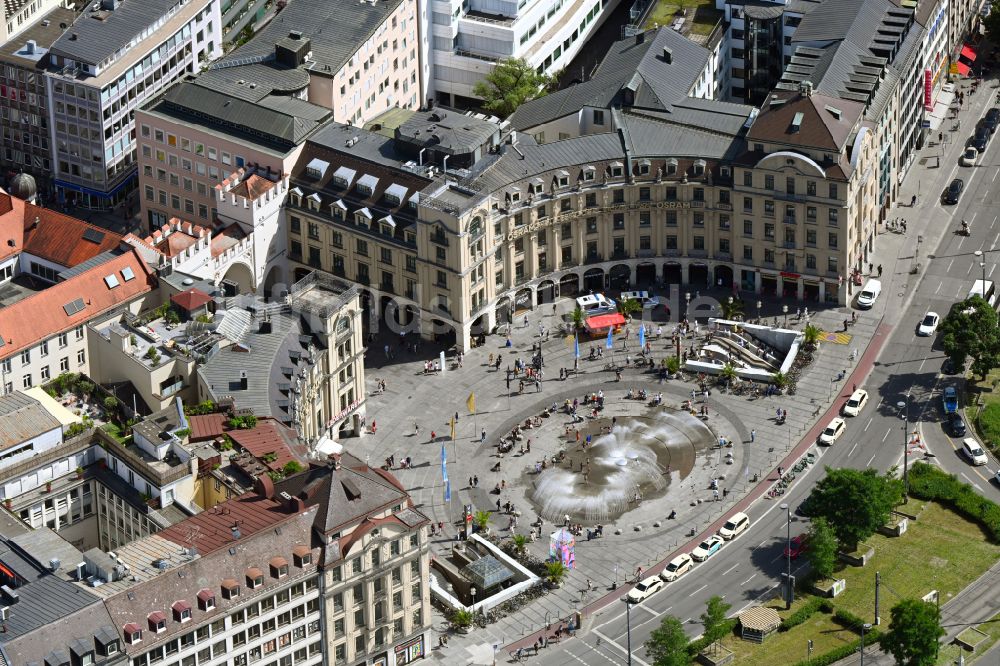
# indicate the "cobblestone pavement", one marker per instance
pixel 415 404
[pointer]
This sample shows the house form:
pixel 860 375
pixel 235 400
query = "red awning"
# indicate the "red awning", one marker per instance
pixel 968 53
pixel 963 69
pixel 605 321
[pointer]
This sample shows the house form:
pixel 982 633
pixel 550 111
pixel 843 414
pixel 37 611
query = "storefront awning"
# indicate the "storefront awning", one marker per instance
pixel 963 69
pixel 604 321
pixel 968 53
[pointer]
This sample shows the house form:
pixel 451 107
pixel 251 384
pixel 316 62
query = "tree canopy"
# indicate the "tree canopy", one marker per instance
pixel 511 83
pixel 991 22
pixel 822 547
pixel 714 618
pixel 667 645
pixel 855 502
pixel 912 638
pixel 970 330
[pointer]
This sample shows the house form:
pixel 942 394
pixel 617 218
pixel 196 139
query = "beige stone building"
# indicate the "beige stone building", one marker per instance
pixel 624 179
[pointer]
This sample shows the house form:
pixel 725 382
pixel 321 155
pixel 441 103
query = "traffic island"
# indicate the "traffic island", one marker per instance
pixel 970 639
pixel 857 558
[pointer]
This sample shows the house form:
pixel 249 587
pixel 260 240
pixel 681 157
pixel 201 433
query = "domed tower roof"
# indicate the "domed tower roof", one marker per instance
pixel 23 186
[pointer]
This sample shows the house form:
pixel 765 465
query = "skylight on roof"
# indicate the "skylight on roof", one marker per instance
pixel 111 281
pixel 128 274
pixel 93 235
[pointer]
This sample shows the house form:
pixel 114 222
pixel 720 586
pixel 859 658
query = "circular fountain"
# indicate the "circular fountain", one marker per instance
pixel 635 460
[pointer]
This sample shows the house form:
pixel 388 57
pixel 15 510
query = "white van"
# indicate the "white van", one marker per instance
pixel 647 300
pixel 868 295
pixel 986 290
pixel 596 304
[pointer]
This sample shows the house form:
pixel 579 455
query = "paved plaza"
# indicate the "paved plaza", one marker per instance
pixel 416 405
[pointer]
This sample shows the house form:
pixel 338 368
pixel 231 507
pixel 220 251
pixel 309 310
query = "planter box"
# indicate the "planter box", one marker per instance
pixel 858 558
pixel 895 528
pixel 829 588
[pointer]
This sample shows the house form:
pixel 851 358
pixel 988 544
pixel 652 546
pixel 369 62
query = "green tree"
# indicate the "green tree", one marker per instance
pixel 811 335
pixel 629 306
pixel 779 379
pixel 673 365
pixel 731 308
pixel 578 318
pixel 970 330
pixel 714 618
pixel 482 520
pixel 511 83
pixel 855 502
pixel 912 638
pixel 110 403
pixel 728 372
pixel 667 645
pixel 992 23
pixel 822 550
pixel 520 543
pixel 555 572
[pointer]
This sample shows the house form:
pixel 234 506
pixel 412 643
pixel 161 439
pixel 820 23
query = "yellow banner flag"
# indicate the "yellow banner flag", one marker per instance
pixel 471 403
pixel 452 424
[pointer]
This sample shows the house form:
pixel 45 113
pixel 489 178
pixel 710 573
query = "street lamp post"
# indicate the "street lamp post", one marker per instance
pixel 902 404
pixel 865 627
pixel 981 256
pixel 759 304
pixel 628 629
pixel 784 310
pixel 788 555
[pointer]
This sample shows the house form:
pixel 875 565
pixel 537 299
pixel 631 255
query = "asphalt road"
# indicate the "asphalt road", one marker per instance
pixel 748 569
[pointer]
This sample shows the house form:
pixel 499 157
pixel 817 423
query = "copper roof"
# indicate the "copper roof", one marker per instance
pixel 207 426
pixel 181 606
pixel 204 594
pixel 254 573
pixel 62 239
pixel 190 300
pixel 157 616
pixel 229 583
pixel 213 529
pixel 267 437
pixel 824 123
pixel 131 628
pixel 277 562
pixel 301 551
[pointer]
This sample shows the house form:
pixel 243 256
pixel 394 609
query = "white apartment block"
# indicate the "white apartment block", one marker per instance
pixel 468 38
pixel 102 69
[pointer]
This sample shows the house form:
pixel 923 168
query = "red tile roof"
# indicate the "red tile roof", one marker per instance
pixel 207 426
pixel 211 530
pixel 190 300
pixel 204 594
pixel 181 606
pixel 49 235
pixel 44 314
pixel 157 616
pixel 62 239
pixel 268 436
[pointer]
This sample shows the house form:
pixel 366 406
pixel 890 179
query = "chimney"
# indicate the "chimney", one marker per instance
pixel 335 457
pixel 806 88
pixel 640 37
pixel 29 47
pixel 668 55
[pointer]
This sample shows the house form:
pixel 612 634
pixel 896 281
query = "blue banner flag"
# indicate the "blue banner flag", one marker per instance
pixel 642 337
pixel 576 345
pixel 447 490
pixel 611 341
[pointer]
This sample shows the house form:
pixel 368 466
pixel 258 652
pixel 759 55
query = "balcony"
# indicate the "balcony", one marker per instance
pixel 701 254
pixel 620 254
pixel 593 259
pixel 789 245
pixel 642 254
pixel 788 219
pixel 723 256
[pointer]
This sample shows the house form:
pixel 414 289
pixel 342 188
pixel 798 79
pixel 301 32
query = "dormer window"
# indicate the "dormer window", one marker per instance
pixel 699 167
pixel 562 179
pixel 643 167
pixel 366 185
pixel 314 201
pixel 724 171
pixel 157 621
pixel 616 169
pixel 296 196
pixel 302 556
pixel 279 567
pixel 589 173
pixel 132 632
pixel 515 196
pixel 230 588
pixel 671 166
pixel 206 599
pixel 182 611
pixel 340 181
pixel 316 168
pixel 255 578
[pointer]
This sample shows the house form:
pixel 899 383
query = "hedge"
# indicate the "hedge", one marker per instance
pixel 802 614
pixel 989 424
pixel 872 636
pixel 849 620
pixel 928 482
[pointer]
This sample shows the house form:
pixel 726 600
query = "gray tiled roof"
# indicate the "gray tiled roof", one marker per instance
pixel 79 627
pixel 254 81
pixel 336 28
pixel 656 83
pixel 261 356
pixel 44 598
pixel 21 418
pixel 281 122
pixel 454 132
pixel 99 38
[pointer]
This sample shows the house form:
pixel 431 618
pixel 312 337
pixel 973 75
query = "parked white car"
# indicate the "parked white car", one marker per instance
pixel 678 566
pixel 969 157
pixel 833 431
pixel 645 588
pixel 734 526
pixel 707 548
pixel 856 403
pixel 974 452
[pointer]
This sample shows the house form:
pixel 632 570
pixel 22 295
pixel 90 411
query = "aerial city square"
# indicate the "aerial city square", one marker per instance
pixel 377 332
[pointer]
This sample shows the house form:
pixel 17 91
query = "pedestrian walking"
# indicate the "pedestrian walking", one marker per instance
pixel 753 435
pixel 725 492
pixel 475 482
pixel 416 429
pixel 482 436
pixel 880 270
pixel 715 494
